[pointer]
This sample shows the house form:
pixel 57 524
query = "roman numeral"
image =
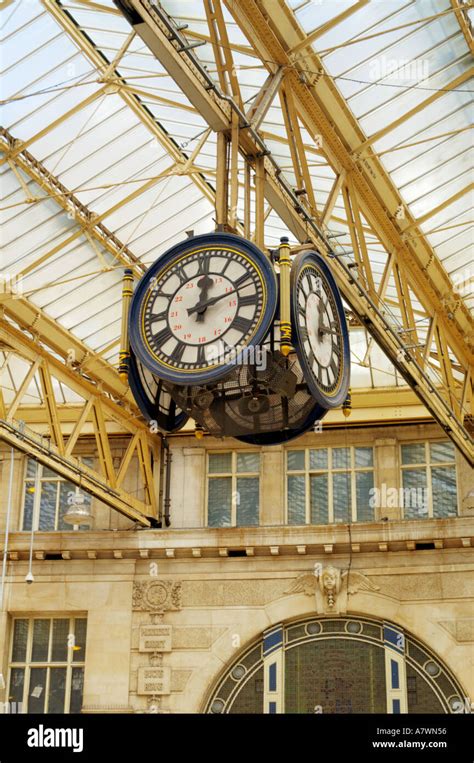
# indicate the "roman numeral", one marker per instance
pixel 241 324
pixel 225 266
pixel 249 299
pixel 204 263
pixel 333 367
pixel 302 311
pixel 178 351
pixel 162 336
pixel 158 392
pixel 304 333
pixel 240 281
pixel 201 356
pixel 181 273
pixel 159 316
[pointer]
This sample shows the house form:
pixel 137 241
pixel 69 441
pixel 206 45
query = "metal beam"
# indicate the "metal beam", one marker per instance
pixel 464 22
pixel 67 200
pixel 81 359
pixel 312 36
pixel 47 454
pixel 98 407
pixel 159 32
pixel 272 28
pixel 100 62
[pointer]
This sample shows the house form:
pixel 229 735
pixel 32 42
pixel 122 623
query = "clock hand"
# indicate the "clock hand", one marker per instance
pixel 204 284
pixel 201 306
pixel 321 311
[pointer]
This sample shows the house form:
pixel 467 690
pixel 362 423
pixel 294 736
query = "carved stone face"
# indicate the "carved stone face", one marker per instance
pixel 329 579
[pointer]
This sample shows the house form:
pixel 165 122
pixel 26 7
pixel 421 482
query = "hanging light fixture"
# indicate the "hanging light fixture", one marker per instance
pixel 78 512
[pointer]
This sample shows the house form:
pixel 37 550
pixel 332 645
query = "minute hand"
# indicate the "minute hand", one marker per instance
pixel 213 300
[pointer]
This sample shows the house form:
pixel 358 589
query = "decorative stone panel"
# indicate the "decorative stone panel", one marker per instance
pixel 154 638
pixel 154 680
pixel 156 595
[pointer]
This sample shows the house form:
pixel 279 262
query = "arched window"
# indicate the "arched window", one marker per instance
pixel 337 665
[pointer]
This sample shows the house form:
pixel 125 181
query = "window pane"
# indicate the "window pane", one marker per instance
pixel 341 458
pixel 319 499
pixel 60 634
pixel 295 459
pixel 364 486
pixel 415 494
pixel 87 461
pixel 341 487
pixel 414 454
pixel 80 631
pixel 31 468
pixel 248 462
pixel 40 640
pixel 364 457
pixel 28 506
pixel 247 501
pixel 318 459
pixel 37 690
pixel 219 502
pixel 17 681
pixel 296 500
pixel 49 473
pixel 442 451
pixel 77 687
pixel 57 690
pixel 443 486
pixel 47 519
pixel 20 637
pixel 220 463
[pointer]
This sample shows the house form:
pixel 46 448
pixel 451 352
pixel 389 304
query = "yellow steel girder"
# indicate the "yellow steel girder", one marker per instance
pixel 152 24
pixel 52 449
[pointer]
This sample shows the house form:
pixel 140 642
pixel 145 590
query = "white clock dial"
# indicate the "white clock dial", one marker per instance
pixel 202 307
pixel 319 328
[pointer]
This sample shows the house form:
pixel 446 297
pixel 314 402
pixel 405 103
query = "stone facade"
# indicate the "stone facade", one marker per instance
pixel 167 610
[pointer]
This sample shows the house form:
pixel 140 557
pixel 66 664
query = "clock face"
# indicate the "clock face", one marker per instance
pixel 152 398
pixel 319 325
pixel 200 305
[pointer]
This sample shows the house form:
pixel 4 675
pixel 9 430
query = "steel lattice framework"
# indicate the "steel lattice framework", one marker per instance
pixel 410 308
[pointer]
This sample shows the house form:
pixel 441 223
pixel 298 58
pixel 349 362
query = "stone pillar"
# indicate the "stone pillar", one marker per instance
pixel 188 487
pixel 272 487
pixel 387 478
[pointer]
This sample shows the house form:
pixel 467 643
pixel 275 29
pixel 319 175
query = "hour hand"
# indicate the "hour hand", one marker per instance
pixel 204 283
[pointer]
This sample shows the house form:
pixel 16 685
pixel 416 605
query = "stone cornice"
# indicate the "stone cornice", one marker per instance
pixel 373 537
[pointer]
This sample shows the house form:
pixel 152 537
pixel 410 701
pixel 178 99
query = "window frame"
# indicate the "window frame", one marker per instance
pixel 234 475
pixel 307 472
pixel 38 481
pixel 27 664
pixel 427 465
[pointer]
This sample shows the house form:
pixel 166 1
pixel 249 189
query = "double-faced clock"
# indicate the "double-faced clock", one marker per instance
pixel 320 332
pixel 152 397
pixel 200 306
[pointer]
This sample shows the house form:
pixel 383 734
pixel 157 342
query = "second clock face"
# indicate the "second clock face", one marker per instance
pixel 320 327
pixel 196 310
